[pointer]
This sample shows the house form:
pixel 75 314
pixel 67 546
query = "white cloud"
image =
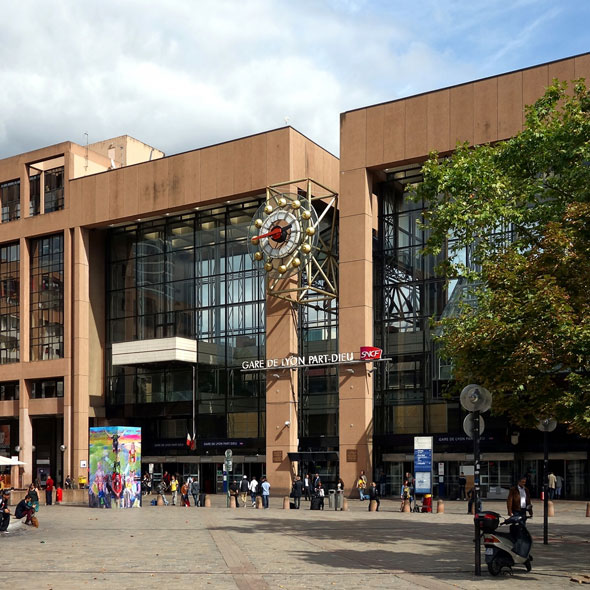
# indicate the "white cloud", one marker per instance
pixel 183 74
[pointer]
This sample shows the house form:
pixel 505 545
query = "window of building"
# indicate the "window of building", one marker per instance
pixel 47 298
pixel 9 391
pixel 54 189
pixel 9 303
pixel 10 200
pixel 35 195
pixel 47 388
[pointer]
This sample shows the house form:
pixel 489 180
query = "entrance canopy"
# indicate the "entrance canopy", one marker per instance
pixel 9 461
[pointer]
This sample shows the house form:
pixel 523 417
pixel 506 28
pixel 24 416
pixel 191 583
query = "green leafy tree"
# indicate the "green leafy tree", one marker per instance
pixel 521 210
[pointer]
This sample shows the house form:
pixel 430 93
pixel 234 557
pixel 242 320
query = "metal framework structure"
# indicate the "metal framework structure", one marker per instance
pixel 316 283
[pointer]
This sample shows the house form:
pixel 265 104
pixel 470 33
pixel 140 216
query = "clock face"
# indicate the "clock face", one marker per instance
pixel 283 234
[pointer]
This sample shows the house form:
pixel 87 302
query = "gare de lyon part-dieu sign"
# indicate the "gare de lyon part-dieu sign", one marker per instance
pixel 367 354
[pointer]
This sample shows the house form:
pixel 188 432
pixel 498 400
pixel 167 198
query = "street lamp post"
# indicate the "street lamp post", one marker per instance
pixel 546 426
pixel 475 399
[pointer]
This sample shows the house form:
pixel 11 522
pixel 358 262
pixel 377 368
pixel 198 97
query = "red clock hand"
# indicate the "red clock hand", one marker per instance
pixel 275 233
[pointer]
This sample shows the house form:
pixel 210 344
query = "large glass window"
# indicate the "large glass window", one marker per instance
pixel 192 276
pixel 408 293
pixel 54 189
pixel 47 298
pixel 9 391
pixel 35 194
pixel 10 200
pixel 47 388
pixel 9 303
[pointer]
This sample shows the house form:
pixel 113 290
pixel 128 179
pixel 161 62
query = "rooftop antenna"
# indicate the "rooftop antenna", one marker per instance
pixel 287 119
pixel 86 165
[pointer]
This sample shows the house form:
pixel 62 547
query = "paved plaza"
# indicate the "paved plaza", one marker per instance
pixel 219 548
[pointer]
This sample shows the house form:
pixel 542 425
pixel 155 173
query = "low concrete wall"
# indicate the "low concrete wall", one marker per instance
pixel 70 497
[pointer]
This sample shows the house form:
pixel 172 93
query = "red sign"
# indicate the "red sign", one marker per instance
pixel 370 353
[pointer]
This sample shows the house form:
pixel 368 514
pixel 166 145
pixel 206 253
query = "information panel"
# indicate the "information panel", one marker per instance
pixel 423 464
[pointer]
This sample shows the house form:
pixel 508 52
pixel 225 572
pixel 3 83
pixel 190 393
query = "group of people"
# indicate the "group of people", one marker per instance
pixel 369 491
pixel 250 487
pixel 176 486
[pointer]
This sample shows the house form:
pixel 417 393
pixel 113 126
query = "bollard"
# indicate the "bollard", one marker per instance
pixel 344 505
pixel 550 509
pixel 286 503
pixel 588 510
pixel 407 507
pixel 232 501
pixel 207 501
pixel 440 507
pixel 373 506
pixel 258 501
pixel 159 501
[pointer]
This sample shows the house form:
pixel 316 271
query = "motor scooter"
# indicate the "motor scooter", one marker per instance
pixel 503 550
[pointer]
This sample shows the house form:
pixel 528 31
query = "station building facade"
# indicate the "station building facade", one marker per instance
pixel 130 296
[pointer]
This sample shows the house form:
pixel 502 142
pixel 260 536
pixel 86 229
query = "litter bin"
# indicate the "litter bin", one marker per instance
pixel 427 503
pixel 331 500
pixel 338 500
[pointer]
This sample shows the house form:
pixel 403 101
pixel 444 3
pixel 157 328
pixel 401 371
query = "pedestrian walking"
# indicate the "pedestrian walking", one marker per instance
pixel 234 490
pixel 552 482
pixel 297 492
pixel 373 494
pixel 174 489
pixel 382 483
pixel 321 494
pixel 265 487
pixel 361 484
pixel 184 495
pixel 306 487
pixel 253 490
pixel 34 493
pixel 48 490
pixel 162 491
pixel 558 486
pixel 462 484
pixel 244 489
pixel 194 491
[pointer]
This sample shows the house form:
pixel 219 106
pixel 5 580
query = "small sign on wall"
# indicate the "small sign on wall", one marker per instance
pixel 351 455
pixel 277 456
pixel 83 464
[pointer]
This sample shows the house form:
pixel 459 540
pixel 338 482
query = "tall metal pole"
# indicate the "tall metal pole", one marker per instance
pixel 194 402
pixel 545 486
pixel 476 490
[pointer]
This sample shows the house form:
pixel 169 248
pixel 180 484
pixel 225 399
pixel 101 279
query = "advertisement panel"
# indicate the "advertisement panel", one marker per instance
pixel 115 467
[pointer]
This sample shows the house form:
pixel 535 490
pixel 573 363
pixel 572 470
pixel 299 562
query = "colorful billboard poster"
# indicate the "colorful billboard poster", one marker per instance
pixel 115 467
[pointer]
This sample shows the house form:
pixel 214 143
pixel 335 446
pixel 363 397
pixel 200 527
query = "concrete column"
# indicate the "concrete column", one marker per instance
pixel 25 191
pixel 356 325
pixel 79 396
pixel 25 436
pixel 281 395
pixel 68 464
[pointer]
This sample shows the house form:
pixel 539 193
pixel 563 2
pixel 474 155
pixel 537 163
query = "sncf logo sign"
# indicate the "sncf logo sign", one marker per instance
pixel 370 353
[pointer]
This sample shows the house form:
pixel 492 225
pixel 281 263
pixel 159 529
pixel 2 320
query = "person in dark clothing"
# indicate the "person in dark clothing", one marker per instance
pixel 307 486
pixel 4 511
pixel 462 484
pixel 297 492
pixel 195 491
pixel 373 494
pixel 234 490
pixel 25 508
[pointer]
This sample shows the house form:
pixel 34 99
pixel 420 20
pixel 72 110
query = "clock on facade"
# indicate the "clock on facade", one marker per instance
pixel 283 234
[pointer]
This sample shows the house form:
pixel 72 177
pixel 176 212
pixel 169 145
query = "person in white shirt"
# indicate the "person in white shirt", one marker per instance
pixel 253 490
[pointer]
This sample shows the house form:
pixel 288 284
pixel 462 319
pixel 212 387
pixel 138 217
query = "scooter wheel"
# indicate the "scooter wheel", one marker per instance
pixel 495 567
pixel 528 565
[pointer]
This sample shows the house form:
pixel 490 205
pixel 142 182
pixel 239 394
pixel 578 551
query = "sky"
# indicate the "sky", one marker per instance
pixel 184 74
